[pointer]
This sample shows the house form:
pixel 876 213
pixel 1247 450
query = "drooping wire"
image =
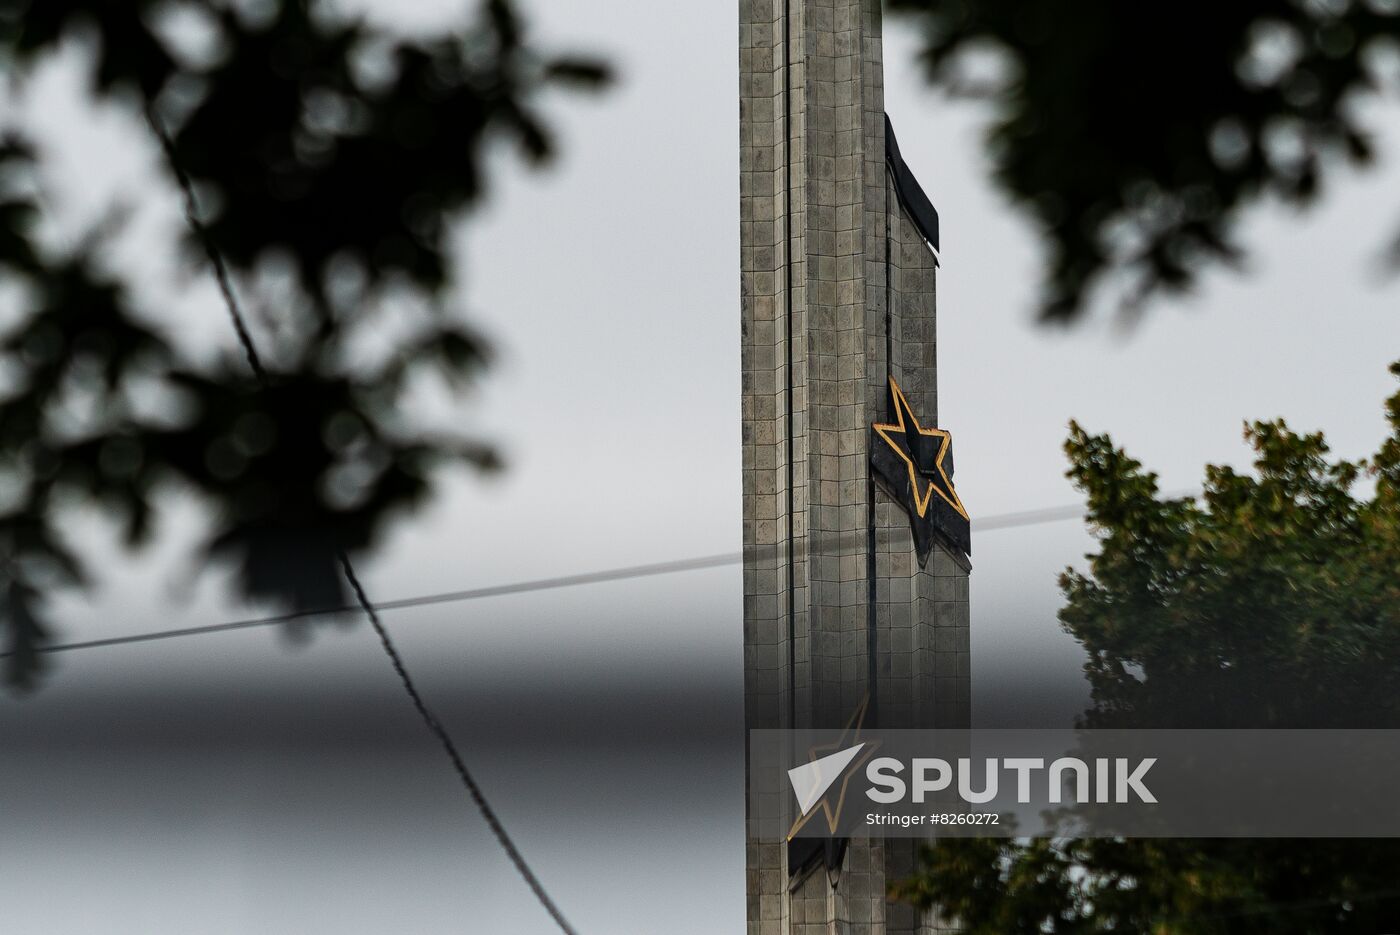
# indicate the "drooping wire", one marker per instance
pixel 216 259
pixel 430 720
pixel 445 739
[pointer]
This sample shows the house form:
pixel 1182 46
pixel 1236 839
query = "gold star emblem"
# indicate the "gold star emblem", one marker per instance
pixel 923 458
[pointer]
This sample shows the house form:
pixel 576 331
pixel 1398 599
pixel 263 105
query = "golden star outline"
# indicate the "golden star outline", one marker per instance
pixel 904 416
pixel 852 731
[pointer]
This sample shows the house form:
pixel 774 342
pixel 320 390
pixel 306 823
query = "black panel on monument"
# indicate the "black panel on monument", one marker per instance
pixel 911 193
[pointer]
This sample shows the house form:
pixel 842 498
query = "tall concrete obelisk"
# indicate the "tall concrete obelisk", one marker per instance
pixel 838 299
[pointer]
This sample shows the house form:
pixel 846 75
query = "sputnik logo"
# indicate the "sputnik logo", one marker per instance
pixel 813 781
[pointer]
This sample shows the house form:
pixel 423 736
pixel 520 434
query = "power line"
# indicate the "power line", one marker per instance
pixel 216 259
pixel 444 738
pixel 430 720
pixel 448 597
pixel 625 573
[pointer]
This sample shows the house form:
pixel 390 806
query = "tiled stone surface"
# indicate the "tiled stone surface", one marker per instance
pixel 838 293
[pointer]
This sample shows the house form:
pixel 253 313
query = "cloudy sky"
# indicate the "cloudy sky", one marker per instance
pixel 235 783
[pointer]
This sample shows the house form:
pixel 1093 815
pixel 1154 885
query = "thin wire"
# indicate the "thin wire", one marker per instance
pixel 445 739
pixel 626 573
pixel 423 600
pixel 250 351
pixel 216 259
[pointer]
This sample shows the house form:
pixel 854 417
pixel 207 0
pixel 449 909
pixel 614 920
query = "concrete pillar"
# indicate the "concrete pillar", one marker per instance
pixel 838 291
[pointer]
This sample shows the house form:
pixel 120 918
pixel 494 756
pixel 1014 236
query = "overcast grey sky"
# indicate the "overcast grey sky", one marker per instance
pixel 226 784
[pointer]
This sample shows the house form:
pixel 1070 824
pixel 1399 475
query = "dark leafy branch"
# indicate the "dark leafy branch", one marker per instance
pixel 1135 135
pixel 331 159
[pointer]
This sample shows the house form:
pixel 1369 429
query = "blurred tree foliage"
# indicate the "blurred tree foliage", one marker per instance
pixel 1136 134
pixel 1273 603
pixel 1150 886
pixel 331 159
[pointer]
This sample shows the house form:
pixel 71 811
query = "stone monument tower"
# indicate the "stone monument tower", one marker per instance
pixel 855 579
